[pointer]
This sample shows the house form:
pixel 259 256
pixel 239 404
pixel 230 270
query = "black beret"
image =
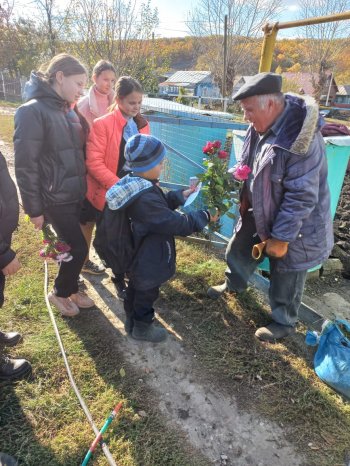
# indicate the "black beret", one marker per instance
pixel 262 83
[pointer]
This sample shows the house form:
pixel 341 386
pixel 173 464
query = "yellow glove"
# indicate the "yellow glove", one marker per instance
pixel 275 248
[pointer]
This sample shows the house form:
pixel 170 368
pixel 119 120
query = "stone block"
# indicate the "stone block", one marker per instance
pixel 331 266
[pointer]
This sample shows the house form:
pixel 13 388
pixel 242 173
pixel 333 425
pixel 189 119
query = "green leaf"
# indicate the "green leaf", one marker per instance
pixel 122 372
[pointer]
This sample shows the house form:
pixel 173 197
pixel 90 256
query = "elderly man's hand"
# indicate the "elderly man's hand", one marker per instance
pixel 275 248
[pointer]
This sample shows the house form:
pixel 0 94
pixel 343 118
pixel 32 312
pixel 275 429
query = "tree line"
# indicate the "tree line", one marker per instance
pixel 122 31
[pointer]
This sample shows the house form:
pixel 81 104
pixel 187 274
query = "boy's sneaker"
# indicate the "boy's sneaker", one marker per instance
pixel 13 369
pixel 10 338
pixel 147 331
pixel 94 269
pixel 81 283
pixel 82 300
pixel 66 306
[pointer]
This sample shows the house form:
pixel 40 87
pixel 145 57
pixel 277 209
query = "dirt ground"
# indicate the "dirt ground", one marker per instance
pixel 211 420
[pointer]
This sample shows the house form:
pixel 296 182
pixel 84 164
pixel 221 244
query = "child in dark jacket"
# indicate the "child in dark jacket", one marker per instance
pixel 154 223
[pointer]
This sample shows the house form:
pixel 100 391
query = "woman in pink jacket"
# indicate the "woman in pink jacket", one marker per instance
pixel 105 159
pixel 93 105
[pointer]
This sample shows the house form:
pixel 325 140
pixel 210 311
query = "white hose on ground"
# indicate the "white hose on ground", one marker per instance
pixel 71 379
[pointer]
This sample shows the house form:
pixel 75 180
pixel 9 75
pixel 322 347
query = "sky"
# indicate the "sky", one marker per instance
pixel 173 15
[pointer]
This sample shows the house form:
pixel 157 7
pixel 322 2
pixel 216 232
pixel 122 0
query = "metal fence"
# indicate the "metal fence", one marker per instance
pixel 184 131
pixel 11 88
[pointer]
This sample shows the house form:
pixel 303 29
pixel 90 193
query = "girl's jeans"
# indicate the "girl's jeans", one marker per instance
pixel 65 221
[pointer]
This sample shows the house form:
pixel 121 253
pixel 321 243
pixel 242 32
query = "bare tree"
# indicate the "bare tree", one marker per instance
pixel 20 42
pixel 245 21
pixel 116 30
pixel 51 19
pixel 6 11
pixel 323 44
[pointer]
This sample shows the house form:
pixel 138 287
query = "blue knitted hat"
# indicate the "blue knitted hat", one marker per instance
pixel 143 152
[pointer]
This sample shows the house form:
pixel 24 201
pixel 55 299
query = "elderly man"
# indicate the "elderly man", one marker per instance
pixel 285 202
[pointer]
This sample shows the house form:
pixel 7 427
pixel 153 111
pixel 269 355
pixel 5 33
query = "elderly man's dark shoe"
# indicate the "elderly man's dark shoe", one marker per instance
pixel 10 338
pixel 274 331
pixel 214 292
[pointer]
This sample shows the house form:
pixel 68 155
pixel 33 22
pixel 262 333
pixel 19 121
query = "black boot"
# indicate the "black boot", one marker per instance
pixel 13 369
pixel 120 287
pixel 10 338
pixel 129 322
pixel 148 331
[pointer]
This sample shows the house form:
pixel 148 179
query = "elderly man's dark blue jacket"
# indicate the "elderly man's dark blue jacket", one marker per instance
pixel 290 193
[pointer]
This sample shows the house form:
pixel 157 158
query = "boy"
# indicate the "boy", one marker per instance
pixel 154 223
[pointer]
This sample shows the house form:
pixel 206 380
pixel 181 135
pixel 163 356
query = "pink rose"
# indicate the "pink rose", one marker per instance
pixel 208 148
pixel 62 247
pixel 222 154
pixel 217 144
pixel 241 173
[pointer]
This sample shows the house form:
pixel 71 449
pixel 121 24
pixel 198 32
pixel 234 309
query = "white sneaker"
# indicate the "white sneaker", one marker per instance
pixel 82 300
pixel 66 307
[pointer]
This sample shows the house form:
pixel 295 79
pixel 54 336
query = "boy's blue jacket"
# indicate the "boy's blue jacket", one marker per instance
pixel 154 223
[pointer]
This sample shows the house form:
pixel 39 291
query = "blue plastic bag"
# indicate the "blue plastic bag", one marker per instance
pixel 332 358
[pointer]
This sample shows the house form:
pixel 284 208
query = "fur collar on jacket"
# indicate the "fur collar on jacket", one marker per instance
pixel 300 124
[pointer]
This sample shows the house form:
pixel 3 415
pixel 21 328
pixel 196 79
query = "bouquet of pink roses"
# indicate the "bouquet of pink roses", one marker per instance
pixel 53 247
pixel 220 185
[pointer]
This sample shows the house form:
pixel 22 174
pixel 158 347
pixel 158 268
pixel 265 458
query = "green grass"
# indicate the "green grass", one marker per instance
pixel 277 381
pixel 41 422
pixel 6 125
pixel 5 103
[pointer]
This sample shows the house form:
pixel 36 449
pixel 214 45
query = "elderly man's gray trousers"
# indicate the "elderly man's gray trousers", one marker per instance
pixel 286 288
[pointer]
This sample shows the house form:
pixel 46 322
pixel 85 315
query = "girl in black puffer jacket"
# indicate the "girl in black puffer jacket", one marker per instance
pixel 49 145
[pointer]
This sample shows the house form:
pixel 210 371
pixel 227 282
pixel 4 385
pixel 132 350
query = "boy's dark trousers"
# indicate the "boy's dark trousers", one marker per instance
pixel 139 303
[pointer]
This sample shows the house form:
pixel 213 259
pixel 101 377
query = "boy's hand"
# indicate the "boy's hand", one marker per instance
pixel 38 222
pixel 214 214
pixel 12 267
pixel 189 191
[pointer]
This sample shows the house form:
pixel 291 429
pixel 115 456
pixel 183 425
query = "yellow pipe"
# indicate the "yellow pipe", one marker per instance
pixel 271 30
pixel 270 34
pixel 316 20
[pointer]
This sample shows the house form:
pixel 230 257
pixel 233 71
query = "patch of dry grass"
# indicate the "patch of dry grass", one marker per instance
pixel 277 381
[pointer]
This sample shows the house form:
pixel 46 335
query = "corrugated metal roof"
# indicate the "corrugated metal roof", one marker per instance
pixel 177 109
pixel 343 89
pixel 191 77
pixel 171 83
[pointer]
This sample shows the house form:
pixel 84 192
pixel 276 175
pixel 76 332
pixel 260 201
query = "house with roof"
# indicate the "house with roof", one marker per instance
pixel 238 82
pixel 307 82
pixel 342 98
pixel 195 83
